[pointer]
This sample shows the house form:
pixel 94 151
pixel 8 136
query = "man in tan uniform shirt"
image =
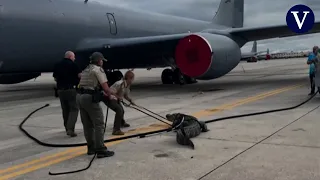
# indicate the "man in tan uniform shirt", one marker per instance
pixel 122 89
pixel 90 110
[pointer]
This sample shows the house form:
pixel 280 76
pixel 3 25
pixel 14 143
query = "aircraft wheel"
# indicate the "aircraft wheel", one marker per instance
pixel 167 76
pixel 179 78
pixel 114 77
pixel 190 80
pixel 117 75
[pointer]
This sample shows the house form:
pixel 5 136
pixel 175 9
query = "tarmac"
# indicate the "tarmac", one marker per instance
pixel 276 146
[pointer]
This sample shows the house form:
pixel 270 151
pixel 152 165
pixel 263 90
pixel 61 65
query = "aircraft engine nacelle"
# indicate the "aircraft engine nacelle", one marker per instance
pixel 17 78
pixel 207 56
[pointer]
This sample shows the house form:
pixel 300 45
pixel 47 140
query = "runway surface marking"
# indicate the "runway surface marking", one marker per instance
pixel 74 152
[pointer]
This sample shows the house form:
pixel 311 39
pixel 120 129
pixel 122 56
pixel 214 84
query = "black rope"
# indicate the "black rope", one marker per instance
pixel 70 172
pixel 263 112
pixel 143 134
pixel 90 163
pixel 255 144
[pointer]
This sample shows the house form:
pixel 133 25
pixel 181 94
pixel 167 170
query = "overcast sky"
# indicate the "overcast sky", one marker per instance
pixel 257 12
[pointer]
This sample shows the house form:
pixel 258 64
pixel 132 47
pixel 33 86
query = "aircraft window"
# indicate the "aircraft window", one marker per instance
pixel 112 23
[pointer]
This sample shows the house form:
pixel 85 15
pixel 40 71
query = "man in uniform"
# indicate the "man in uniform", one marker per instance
pixel 66 73
pixel 88 99
pixel 122 89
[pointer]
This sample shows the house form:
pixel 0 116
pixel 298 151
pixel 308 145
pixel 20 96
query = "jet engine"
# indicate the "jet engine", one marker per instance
pixel 17 78
pixel 207 56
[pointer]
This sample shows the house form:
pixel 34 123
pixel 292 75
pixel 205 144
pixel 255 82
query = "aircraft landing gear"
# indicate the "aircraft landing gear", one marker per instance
pixel 167 76
pixel 170 76
pixel 113 77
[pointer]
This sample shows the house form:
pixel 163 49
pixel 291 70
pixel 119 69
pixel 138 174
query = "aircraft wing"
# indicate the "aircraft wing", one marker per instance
pixel 278 31
pixel 140 52
pixel 101 43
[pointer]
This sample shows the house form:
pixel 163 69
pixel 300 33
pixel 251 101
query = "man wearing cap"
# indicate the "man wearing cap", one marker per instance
pixel 66 73
pixel 88 99
pixel 122 89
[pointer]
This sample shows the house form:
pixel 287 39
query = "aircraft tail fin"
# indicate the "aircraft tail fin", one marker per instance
pixel 230 13
pixel 254 47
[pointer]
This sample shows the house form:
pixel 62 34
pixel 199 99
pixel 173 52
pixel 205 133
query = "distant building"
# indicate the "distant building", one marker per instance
pixel 292 54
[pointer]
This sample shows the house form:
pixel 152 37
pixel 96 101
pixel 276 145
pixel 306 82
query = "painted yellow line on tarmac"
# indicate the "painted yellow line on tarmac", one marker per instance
pixel 74 152
pixel 228 106
pixel 53 156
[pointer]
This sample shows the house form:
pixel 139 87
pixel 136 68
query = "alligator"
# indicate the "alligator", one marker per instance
pixel 186 127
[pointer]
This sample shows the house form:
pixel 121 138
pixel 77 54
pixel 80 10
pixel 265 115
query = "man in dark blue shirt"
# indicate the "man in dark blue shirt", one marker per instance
pixel 67 75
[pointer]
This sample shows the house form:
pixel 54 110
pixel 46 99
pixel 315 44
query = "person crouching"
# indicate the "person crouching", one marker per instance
pixel 122 89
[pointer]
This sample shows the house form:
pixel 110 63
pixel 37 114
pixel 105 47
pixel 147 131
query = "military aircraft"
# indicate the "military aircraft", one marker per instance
pixel 34 34
pixel 265 56
pixel 252 56
pixel 253 53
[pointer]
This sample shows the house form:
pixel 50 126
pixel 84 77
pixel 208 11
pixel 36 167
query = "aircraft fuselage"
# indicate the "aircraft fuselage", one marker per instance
pixel 35 33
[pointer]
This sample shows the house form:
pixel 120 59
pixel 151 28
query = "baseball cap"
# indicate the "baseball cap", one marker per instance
pixel 96 56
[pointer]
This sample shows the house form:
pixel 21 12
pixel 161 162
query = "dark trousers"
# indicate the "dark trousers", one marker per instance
pixel 116 106
pixel 69 108
pixel 312 84
pixel 92 120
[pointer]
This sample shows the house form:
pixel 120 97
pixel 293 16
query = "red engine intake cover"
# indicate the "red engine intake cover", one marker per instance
pixel 193 55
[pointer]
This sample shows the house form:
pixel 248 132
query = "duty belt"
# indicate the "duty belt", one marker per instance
pixel 85 91
pixel 66 88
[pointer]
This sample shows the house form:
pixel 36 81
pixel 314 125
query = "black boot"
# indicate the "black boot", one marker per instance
pixel 71 133
pixel 56 92
pixel 117 132
pixel 104 153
